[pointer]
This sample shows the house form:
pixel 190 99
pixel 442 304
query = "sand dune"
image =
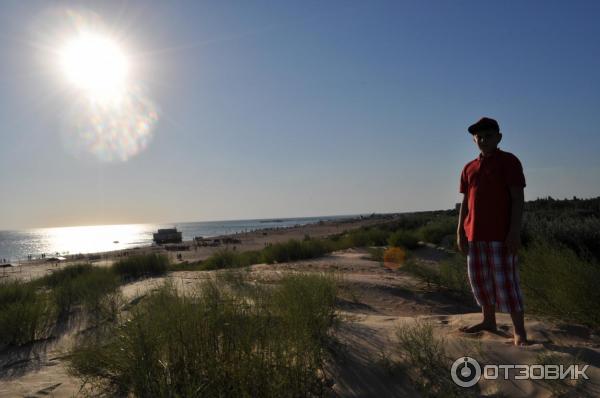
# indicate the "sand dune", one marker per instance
pixel 374 302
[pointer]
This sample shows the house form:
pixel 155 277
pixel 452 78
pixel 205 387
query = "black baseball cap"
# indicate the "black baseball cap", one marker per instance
pixel 485 123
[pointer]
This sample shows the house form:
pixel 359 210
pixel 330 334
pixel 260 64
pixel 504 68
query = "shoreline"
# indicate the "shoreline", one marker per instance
pixel 197 231
pixel 252 240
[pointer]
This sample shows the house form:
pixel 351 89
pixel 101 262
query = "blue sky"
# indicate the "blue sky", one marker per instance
pixel 275 109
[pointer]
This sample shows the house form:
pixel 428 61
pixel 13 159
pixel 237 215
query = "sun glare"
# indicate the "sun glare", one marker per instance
pixel 95 64
pixel 108 110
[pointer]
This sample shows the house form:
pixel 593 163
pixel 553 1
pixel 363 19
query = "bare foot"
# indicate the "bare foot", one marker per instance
pixel 478 328
pixel 520 340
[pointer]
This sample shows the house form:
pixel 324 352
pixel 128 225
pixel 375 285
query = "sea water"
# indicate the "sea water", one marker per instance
pixel 19 245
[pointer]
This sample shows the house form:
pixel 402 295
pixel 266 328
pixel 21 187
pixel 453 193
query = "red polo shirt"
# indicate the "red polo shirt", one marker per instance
pixel 486 181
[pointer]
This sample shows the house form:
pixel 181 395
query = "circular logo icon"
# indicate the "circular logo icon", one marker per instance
pixel 465 372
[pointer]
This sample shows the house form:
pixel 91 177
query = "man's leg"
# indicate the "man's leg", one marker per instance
pixel 520 335
pixel 488 323
pixel 508 290
pixel 481 281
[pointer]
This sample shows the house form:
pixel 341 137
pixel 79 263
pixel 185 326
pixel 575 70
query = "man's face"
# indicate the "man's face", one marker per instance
pixel 487 140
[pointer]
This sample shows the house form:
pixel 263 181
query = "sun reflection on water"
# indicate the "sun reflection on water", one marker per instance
pixel 90 239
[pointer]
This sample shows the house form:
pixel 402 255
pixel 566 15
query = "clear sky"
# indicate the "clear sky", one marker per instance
pixel 299 108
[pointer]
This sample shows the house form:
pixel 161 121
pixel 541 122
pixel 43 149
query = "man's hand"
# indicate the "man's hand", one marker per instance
pixel 513 242
pixel 461 243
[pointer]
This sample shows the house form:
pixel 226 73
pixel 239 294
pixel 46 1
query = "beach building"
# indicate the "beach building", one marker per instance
pixel 167 235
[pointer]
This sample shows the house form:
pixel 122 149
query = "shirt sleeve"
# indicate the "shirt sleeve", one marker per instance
pixel 513 172
pixel 463 181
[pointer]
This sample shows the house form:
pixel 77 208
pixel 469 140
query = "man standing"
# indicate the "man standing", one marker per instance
pixel 489 228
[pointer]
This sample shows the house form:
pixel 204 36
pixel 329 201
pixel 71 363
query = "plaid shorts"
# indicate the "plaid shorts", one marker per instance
pixel 493 276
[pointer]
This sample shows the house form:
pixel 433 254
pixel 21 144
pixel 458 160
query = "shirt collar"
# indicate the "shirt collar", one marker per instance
pixel 493 155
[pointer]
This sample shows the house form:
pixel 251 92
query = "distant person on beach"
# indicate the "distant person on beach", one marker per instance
pixel 489 229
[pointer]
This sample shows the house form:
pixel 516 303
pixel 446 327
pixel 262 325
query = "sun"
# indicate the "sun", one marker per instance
pixel 95 64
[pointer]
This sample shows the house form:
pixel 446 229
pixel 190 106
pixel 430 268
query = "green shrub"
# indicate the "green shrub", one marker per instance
pixel 59 277
pixel 450 275
pixel 84 285
pixel 226 258
pixel 413 221
pixel 427 362
pixel 26 313
pixel 405 239
pixel 215 342
pixel 429 274
pixel 306 303
pixel 435 230
pixel 562 387
pixel 141 266
pixel 294 250
pixel 557 282
pixel 454 277
pixel 580 233
pixel 362 237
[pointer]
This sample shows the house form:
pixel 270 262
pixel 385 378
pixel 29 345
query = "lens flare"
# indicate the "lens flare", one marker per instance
pixel 111 131
pixel 109 113
pixel 394 257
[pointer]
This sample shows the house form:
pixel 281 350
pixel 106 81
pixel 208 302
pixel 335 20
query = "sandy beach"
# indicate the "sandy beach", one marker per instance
pixel 374 302
pixel 253 240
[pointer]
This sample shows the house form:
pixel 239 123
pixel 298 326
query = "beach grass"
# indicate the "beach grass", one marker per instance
pixel 141 266
pixel 453 276
pixel 425 361
pixel 404 238
pixel 227 258
pixel 428 273
pixel 394 234
pixel 559 283
pixel 556 282
pixel 29 310
pixel 294 250
pixel 450 275
pixel 291 250
pixel 438 228
pixel 217 341
pixel 562 387
pixel 26 313
pixel 92 288
pixel 364 237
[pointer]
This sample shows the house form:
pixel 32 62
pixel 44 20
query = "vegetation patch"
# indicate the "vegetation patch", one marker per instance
pixel 362 237
pixel 141 266
pixel 30 310
pixel 217 341
pixel 438 228
pixel 557 282
pixel 26 313
pixel 294 250
pixel 404 238
pixel 562 387
pixel 82 284
pixel 426 362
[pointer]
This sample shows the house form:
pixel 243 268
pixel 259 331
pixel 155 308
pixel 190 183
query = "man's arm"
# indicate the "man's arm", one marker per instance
pixel 513 239
pixel 461 236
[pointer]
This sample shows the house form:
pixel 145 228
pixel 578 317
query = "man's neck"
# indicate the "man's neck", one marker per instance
pixel 488 154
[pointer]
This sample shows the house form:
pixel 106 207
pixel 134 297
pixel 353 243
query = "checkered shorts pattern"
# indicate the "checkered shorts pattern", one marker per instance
pixel 493 276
